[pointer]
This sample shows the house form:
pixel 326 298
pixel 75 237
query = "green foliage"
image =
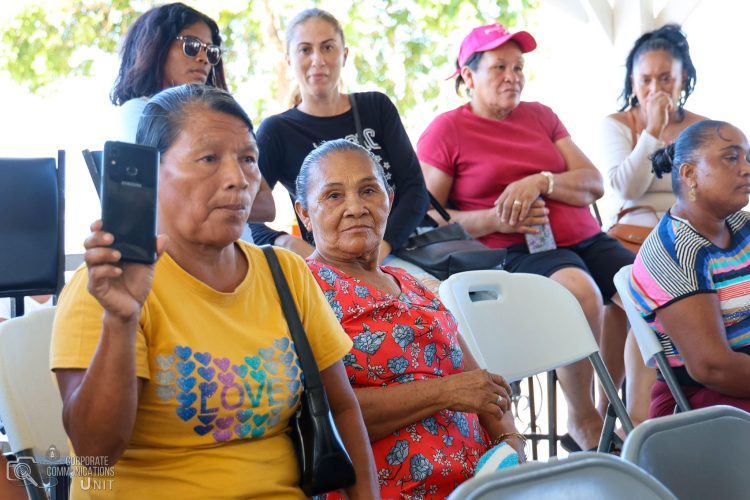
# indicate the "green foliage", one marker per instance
pixel 399 46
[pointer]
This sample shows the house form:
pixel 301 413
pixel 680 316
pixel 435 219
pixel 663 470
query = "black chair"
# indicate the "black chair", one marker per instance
pixel 32 212
pixel 94 164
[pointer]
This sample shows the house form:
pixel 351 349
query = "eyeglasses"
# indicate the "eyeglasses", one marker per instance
pixel 191 47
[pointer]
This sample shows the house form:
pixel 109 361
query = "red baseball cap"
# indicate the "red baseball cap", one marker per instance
pixel 489 37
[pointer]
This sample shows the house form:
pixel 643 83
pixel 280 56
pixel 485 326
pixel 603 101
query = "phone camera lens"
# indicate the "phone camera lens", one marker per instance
pixel 131 171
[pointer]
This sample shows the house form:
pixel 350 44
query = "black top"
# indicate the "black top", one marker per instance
pixel 284 140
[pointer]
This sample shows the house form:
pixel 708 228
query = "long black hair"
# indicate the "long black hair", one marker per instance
pixel 147 45
pixel 671 39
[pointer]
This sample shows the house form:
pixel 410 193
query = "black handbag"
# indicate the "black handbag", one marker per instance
pixel 323 461
pixel 444 250
pixel 449 249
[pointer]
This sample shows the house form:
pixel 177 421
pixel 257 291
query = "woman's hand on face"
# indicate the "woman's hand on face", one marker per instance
pixel 658 106
pixel 536 216
pixel 477 391
pixel 120 287
pixel 514 203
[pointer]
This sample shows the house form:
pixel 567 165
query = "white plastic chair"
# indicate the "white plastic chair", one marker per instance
pixel 697 454
pixel 30 403
pixel 533 326
pixel 651 349
pixel 580 476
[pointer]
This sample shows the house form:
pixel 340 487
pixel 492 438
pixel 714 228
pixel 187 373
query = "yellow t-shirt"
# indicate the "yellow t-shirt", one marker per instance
pixel 222 380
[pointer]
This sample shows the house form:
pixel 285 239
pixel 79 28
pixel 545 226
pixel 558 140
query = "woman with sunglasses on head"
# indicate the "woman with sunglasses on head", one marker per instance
pixel 167 46
pixel 316 52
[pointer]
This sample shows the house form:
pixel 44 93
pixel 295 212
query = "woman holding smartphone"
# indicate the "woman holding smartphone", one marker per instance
pixel 170 45
pixel 182 374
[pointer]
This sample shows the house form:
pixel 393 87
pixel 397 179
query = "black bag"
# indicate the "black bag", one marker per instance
pixel 323 461
pixel 449 249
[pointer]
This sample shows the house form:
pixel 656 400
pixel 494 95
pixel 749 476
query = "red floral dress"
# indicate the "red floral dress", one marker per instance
pixel 398 340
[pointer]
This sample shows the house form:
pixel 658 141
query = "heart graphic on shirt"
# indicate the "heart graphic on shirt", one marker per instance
pixel 243 415
pixel 183 352
pixel 272 367
pixel 259 419
pixel 273 421
pixel 186 413
pixel 266 353
pixel 165 392
pixel 186 383
pixel 203 358
pixel 259 376
pixel 202 430
pixel 222 435
pixel 226 378
pixel 242 430
pixel 222 363
pixel 293 386
pixel 165 361
pixel 186 398
pixel 224 423
pixel 186 368
pixel 282 343
pixel 207 373
pixel 240 370
pixel 253 361
pixel 291 372
pixel 258 432
pixel 165 377
pixel 291 401
pixel 206 419
pixel 208 390
pixel 287 358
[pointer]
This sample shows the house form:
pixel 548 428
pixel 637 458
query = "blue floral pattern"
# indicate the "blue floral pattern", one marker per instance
pixel 403 340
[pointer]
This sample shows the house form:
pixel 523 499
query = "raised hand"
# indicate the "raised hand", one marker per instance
pixel 120 287
pixel 477 391
pixel 658 106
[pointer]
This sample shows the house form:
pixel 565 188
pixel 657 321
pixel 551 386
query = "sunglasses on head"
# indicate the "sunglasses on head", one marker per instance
pixel 191 47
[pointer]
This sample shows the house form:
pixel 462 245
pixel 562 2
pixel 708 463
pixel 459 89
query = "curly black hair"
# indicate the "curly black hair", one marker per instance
pixel 669 38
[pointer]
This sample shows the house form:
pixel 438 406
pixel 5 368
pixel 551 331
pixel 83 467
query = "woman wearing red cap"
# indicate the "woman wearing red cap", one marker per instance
pixel 509 168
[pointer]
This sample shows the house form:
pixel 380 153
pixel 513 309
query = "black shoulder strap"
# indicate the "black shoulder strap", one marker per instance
pixel 361 140
pixel 312 377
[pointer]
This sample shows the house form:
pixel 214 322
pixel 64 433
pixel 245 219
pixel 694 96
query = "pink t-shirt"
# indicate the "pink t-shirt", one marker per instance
pixel 483 156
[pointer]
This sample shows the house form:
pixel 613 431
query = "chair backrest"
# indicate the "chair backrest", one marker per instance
pixel 93 161
pixel 701 453
pixel 648 344
pixel 30 403
pixel 582 475
pixel 32 210
pixel 533 325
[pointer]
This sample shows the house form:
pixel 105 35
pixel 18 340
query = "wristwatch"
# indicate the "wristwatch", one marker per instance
pixel 550 180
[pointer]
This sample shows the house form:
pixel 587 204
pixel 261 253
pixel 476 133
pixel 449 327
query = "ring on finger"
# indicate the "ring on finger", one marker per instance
pixel 516 202
pixel 499 401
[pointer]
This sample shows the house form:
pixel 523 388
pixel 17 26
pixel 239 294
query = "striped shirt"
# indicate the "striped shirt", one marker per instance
pixel 676 262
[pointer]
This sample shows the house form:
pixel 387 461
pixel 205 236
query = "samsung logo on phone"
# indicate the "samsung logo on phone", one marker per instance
pixel 131 184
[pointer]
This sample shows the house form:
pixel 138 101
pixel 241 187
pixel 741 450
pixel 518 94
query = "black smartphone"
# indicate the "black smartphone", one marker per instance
pixel 128 192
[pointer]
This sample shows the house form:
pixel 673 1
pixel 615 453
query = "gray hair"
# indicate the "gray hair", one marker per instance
pixel 165 114
pixel 317 156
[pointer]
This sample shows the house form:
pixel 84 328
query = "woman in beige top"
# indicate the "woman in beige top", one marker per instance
pixel 659 79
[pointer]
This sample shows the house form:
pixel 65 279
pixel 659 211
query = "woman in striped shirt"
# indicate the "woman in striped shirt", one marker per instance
pixel 691 279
